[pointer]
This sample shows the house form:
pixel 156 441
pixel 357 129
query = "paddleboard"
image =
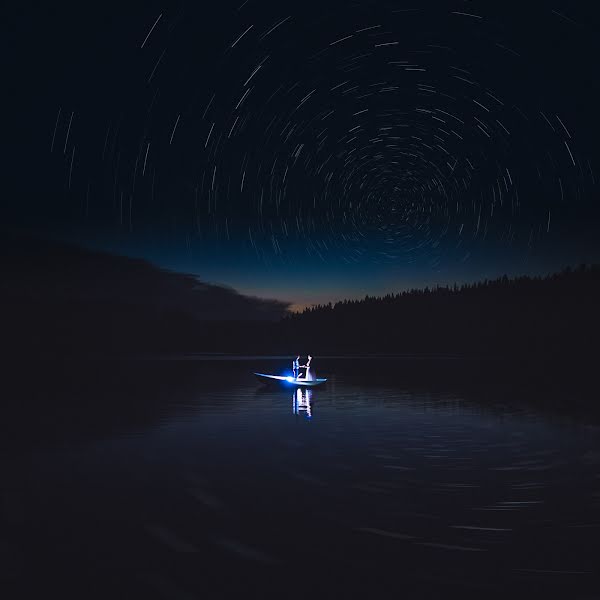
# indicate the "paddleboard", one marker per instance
pixel 290 381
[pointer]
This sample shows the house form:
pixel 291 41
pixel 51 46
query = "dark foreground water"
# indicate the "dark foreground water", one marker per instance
pixel 180 479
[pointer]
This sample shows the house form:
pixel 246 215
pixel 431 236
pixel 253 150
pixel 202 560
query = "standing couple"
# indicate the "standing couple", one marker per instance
pixel 296 366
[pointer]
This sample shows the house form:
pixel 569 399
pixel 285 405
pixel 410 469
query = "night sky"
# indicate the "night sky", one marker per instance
pixel 308 151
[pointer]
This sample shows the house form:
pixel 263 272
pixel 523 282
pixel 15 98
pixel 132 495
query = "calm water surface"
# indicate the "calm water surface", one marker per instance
pixel 186 479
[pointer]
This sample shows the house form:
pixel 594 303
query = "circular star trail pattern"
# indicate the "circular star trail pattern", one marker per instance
pixel 354 133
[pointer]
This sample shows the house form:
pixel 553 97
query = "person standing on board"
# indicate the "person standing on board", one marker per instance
pixel 296 367
pixel 307 375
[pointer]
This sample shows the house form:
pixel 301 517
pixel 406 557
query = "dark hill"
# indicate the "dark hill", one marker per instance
pixel 554 315
pixel 57 298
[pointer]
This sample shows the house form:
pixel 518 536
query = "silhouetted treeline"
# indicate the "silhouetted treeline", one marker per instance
pixel 61 300
pixel 557 314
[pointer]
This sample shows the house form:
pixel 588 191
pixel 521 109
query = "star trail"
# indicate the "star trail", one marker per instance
pixel 300 299
pixel 363 136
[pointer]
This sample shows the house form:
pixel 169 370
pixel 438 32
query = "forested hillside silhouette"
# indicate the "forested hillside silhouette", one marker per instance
pixel 556 314
pixel 58 299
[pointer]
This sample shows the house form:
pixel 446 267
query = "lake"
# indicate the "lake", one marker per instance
pixel 182 477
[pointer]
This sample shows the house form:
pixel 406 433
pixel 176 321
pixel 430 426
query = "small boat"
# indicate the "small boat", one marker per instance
pixel 288 381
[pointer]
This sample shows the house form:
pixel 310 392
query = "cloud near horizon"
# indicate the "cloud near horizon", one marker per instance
pixel 41 269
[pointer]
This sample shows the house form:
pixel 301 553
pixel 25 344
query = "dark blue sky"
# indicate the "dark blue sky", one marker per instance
pixel 314 151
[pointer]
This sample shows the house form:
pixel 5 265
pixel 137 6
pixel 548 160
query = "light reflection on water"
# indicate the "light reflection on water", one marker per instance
pixel 301 402
pixel 460 488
